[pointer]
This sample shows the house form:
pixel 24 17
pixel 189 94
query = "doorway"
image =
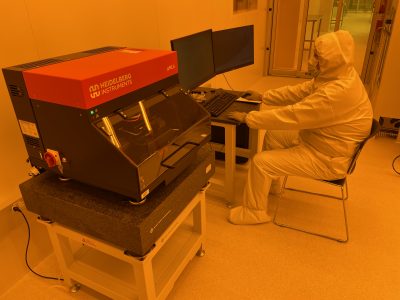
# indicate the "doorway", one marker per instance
pixel 383 14
pixel 313 18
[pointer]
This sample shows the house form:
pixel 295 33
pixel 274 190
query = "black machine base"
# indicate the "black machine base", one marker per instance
pixel 111 217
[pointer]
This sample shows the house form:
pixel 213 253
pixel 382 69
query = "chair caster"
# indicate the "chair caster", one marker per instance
pixel 201 253
pixel 75 288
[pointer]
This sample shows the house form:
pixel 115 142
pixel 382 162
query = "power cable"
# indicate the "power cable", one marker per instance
pixel 394 164
pixel 227 81
pixel 27 248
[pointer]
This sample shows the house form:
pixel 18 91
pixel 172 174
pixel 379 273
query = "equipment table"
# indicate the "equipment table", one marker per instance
pixel 113 272
pixel 119 249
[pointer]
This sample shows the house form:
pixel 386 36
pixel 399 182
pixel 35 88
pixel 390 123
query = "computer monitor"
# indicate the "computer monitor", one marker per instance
pixel 233 48
pixel 195 58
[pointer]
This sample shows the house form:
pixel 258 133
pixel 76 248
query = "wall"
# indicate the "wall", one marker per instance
pixel 387 103
pixel 32 30
pixel 17 46
pixel 180 18
pixel 37 29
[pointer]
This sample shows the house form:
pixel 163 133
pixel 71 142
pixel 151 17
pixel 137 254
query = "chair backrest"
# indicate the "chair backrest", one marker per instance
pixel 374 130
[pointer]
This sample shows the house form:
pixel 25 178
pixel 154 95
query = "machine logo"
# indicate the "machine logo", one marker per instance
pixel 110 85
pixel 94 91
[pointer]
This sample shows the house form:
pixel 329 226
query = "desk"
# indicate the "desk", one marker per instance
pixel 229 126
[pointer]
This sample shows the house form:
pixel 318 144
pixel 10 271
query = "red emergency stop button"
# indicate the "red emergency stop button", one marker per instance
pixel 50 159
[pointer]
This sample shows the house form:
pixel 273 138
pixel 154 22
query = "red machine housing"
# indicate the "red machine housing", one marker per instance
pixel 90 81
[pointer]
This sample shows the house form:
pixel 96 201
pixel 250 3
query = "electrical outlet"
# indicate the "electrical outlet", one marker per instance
pixel 18 204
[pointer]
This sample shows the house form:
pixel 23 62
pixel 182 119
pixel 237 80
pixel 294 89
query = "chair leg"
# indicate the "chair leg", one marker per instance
pixel 345 193
pixel 344 197
pixel 345 222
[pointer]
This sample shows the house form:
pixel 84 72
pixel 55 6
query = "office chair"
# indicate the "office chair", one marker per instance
pixel 339 183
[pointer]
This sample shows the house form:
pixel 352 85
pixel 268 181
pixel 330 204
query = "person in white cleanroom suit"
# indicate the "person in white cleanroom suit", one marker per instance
pixel 313 128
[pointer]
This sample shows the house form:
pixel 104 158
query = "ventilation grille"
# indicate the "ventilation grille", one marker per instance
pixel 31 141
pixel 39 63
pixel 103 49
pixel 16 91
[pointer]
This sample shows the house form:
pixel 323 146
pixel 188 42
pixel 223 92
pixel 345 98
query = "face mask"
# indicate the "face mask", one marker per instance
pixel 313 67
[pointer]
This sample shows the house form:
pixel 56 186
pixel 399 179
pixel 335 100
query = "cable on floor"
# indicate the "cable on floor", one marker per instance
pixel 27 248
pixel 394 164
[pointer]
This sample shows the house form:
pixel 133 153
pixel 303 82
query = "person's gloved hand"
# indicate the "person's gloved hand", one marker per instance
pixel 252 95
pixel 237 115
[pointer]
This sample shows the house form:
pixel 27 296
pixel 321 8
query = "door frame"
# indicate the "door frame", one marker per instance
pixel 271 35
pixel 271 32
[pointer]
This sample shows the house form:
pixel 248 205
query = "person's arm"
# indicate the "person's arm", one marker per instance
pixel 288 94
pixel 313 112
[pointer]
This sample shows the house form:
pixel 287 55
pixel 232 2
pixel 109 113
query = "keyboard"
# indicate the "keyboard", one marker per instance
pixel 219 103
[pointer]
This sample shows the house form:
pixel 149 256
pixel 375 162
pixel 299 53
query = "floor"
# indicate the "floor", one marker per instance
pixel 269 262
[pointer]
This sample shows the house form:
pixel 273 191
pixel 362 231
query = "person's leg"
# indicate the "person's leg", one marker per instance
pixel 267 166
pixel 279 139
pixel 255 199
pixel 254 202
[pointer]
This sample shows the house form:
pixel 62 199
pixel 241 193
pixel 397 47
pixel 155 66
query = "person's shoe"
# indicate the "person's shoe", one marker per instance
pixel 241 215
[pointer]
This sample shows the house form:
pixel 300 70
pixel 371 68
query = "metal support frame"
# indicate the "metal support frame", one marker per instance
pixel 112 271
pixel 230 150
pixel 344 195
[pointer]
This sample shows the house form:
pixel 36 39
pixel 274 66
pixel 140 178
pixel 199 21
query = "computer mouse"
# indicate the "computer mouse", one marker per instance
pixel 245 95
